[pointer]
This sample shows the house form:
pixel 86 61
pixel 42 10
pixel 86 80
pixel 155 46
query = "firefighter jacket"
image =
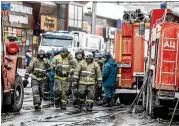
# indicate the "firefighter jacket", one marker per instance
pixel 88 73
pixel 101 63
pixel 62 66
pixel 75 62
pixel 38 68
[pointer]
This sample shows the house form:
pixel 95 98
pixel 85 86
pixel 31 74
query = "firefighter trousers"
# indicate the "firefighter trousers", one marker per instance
pixel 37 91
pixel 88 93
pixel 60 89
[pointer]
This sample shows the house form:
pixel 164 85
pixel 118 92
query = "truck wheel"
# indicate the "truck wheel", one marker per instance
pixel 18 95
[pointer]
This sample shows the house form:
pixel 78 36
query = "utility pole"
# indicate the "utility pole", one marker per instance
pixel 93 18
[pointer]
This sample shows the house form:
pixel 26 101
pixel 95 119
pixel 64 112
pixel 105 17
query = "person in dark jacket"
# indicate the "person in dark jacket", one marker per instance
pixel 109 78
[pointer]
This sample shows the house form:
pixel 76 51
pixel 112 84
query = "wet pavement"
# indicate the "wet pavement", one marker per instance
pixel 50 116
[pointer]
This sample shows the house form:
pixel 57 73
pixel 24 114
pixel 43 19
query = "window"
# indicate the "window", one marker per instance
pixel 57 42
pixel 75 16
pixel 61 14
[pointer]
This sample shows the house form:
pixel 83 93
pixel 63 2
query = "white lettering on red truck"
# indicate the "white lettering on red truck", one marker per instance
pixel 169 44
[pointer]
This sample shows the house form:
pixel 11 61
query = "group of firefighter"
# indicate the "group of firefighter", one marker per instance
pixel 82 77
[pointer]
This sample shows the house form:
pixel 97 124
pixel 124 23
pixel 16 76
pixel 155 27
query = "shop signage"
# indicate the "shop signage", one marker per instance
pixel 21 9
pixel 29 32
pixel 18 19
pixel 110 31
pixel 86 27
pixel 48 23
pixel 99 30
pixel 5 6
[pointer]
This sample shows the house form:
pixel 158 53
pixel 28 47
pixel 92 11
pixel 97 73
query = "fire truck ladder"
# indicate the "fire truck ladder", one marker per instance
pixel 170 73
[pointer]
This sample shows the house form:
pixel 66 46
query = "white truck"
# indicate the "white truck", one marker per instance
pixel 55 40
pixel 88 41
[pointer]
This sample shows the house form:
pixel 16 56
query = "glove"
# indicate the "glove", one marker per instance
pixel 75 79
pixel 99 83
pixel 26 76
pixel 71 72
pixel 48 75
pixel 75 84
pixel 69 92
pixel 48 70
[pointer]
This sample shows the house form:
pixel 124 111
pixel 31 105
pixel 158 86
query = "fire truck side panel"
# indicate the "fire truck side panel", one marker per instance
pixel 116 46
pixel 127 73
pixel 138 52
pixel 118 53
pixel 167 68
pixel 126 29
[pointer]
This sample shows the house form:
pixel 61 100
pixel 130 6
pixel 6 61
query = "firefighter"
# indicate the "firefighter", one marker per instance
pixel 49 56
pixel 98 88
pixel 61 63
pixel 79 55
pixel 88 74
pixel 109 75
pixel 38 67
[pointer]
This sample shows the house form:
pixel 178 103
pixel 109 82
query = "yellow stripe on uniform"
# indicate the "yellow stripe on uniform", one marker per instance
pixel 63 101
pixel 34 77
pixel 60 78
pixel 88 100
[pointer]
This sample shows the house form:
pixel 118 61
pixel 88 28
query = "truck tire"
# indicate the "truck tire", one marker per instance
pixel 18 95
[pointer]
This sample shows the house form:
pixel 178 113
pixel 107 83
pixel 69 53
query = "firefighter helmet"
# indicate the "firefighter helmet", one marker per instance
pixel 80 51
pixel 41 54
pixel 64 50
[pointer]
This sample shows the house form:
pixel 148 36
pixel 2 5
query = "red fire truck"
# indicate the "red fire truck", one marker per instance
pixel 130 48
pixel 163 74
pixel 12 89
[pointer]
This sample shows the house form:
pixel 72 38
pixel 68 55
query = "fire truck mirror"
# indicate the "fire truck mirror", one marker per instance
pixel 141 28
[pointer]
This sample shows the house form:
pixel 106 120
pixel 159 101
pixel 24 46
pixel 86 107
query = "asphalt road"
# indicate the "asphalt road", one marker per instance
pixel 50 116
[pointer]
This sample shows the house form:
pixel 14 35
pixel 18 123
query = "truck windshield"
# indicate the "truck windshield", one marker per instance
pixel 57 42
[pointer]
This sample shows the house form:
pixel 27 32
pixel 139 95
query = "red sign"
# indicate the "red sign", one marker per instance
pixel 99 30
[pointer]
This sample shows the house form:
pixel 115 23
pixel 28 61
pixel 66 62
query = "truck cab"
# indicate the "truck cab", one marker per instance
pixel 55 40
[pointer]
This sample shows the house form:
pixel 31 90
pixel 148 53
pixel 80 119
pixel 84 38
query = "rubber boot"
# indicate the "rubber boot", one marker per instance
pixel 37 106
pixel 109 103
pixel 89 107
pixel 104 101
pixel 63 106
pixel 57 103
pixel 52 102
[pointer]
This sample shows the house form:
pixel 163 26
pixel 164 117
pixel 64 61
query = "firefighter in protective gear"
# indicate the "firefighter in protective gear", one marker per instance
pixel 98 89
pixel 61 63
pixel 99 59
pixel 88 74
pixel 49 56
pixel 38 68
pixel 79 57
